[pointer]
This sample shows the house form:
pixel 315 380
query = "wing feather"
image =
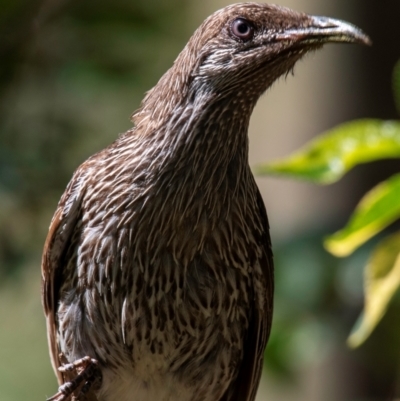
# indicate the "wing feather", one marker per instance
pixel 246 384
pixel 58 238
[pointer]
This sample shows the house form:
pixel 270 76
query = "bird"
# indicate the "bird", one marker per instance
pixel 157 270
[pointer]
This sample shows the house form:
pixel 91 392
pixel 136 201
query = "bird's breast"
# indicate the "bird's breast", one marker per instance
pixel 162 284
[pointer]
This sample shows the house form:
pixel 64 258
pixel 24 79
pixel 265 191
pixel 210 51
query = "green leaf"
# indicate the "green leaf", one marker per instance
pixel 382 280
pixel 327 158
pixel 396 85
pixel 376 210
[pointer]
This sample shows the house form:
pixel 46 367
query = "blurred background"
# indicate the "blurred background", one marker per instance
pixel 72 72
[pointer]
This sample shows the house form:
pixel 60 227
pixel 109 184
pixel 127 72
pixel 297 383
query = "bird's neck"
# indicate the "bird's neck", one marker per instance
pixel 192 164
pixel 203 138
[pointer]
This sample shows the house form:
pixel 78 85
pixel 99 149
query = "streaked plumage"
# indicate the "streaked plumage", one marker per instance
pixel 158 261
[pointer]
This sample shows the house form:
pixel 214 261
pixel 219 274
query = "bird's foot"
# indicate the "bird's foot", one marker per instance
pixel 87 375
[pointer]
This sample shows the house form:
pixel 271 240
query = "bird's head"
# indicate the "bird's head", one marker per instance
pixel 243 49
pixel 253 44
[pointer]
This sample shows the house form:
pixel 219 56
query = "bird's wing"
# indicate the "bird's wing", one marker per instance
pixel 58 238
pixel 246 384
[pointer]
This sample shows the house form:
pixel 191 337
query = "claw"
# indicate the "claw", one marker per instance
pixel 88 373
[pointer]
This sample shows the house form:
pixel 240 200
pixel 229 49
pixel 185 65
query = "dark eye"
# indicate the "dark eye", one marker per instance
pixel 242 29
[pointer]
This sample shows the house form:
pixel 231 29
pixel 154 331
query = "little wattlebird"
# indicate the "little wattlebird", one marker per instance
pixel 157 269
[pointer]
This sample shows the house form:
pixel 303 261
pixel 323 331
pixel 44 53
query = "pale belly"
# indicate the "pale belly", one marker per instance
pixel 195 354
pixel 201 366
pixel 127 385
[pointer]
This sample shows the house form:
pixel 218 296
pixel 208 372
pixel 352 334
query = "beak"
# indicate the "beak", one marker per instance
pixel 321 30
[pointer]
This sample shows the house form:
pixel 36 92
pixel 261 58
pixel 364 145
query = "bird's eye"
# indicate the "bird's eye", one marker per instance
pixel 242 29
